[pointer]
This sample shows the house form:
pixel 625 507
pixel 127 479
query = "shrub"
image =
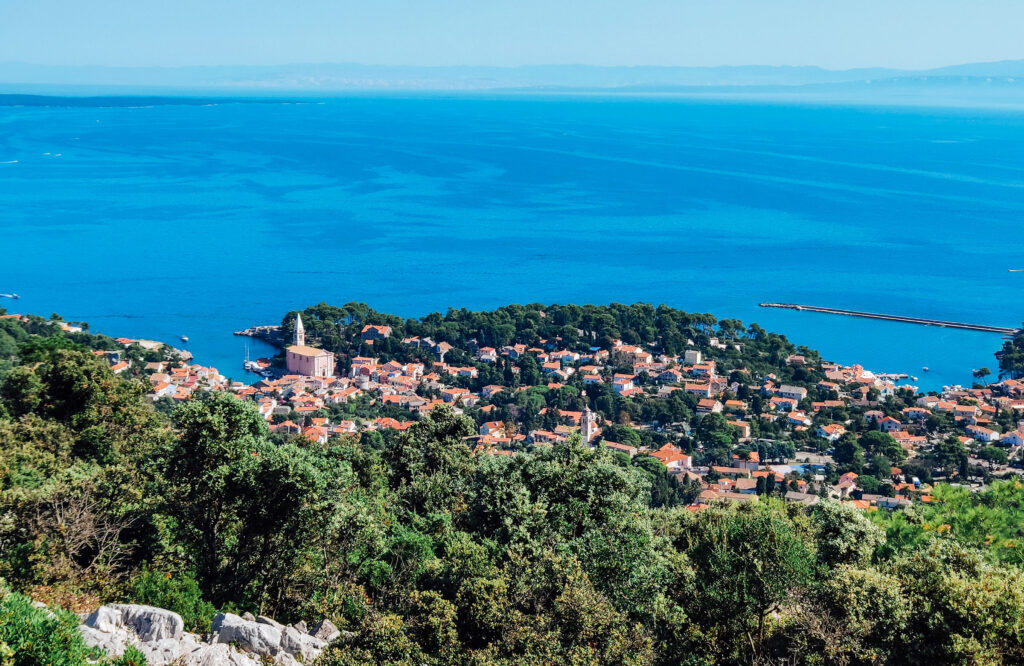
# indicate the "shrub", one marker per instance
pixel 31 636
pixel 179 593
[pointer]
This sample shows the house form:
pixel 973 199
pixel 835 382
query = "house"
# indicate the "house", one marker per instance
pixel 315 433
pixel 491 390
pixel 889 424
pixel 982 434
pixel 692 357
pixel 752 462
pixel 288 427
pixel 162 390
pixel 673 458
pixel 709 406
pixel 372 332
pixel 453 394
pixel 746 486
pixel 1015 438
pixel 797 393
pixel 622 383
pixel 494 429
pixel 847 484
pixel 699 389
pixel 743 427
pixel 798 418
pixel 806 499
pixel 916 413
pixel 897 502
pixel 440 349
pixel 832 432
pixel 670 376
pixel 622 448
pixel 487 354
pixel 631 355
pixel 783 404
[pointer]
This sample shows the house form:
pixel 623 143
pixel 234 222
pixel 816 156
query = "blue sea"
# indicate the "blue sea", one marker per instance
pixel 198 220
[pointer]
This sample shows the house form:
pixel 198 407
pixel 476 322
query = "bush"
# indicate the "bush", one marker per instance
pixel 179 593
pixel 31 636
pixel 132 657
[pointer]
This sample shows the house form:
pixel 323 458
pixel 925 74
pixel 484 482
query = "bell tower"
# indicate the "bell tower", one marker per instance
pixel 300 332
pixel 589 425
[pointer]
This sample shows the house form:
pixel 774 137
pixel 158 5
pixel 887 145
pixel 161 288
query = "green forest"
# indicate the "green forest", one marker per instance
pixel 424 553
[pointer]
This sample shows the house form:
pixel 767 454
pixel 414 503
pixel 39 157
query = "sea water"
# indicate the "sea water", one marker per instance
pixel 198 220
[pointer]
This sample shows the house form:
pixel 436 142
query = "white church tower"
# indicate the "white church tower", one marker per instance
pixel 589 423
pixel 300 332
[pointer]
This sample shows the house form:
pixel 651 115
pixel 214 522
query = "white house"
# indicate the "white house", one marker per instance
pixel 831 432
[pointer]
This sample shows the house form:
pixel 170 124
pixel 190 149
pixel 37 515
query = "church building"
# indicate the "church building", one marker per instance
pixel 308 361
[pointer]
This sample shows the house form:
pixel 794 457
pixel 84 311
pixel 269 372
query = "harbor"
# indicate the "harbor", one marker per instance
pixel 1002 330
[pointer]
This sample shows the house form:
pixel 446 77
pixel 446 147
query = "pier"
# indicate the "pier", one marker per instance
pixel 1002 330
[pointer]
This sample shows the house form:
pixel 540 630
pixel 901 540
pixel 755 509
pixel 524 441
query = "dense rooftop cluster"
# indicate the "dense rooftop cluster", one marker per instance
pixel 732 413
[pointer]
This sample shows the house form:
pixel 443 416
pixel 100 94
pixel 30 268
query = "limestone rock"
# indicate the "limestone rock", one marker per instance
pixel 258 637
pixel 248 616
pixel 301 626
pixel 325 631
pixel 160 636
pixel 263 619
pixel 217 655
pixel 147 622
pixel 301 645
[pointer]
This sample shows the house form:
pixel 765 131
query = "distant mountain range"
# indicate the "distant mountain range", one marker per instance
pixel 339 78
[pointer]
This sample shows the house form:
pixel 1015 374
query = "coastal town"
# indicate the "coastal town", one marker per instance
pixel 852 435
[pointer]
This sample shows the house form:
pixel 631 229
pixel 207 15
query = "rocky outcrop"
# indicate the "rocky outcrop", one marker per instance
pixel 235 641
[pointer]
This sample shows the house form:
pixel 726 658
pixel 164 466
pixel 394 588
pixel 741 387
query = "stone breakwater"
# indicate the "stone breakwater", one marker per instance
pixel 234 640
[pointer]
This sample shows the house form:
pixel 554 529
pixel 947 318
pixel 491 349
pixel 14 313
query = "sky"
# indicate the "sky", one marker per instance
pixel 835 34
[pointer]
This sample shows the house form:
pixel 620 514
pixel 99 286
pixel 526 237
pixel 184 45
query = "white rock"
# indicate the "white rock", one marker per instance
pixel 298 644
pixel 263 619
pixel 263 639
pixel 105 619
pixel 217 655
pixel 147 622
pixel 113 643
pixel 325 631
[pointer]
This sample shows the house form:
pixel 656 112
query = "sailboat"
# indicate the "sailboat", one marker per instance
pixel 251 366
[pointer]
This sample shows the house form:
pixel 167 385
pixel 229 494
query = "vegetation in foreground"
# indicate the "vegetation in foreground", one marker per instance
pixel 433 555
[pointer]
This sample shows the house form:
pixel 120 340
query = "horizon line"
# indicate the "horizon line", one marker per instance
pixel 511 67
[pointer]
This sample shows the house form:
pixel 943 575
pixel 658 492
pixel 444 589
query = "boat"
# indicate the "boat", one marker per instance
pixel 184 338
pixel 925 368
pixel 248 365
pixel 14 296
